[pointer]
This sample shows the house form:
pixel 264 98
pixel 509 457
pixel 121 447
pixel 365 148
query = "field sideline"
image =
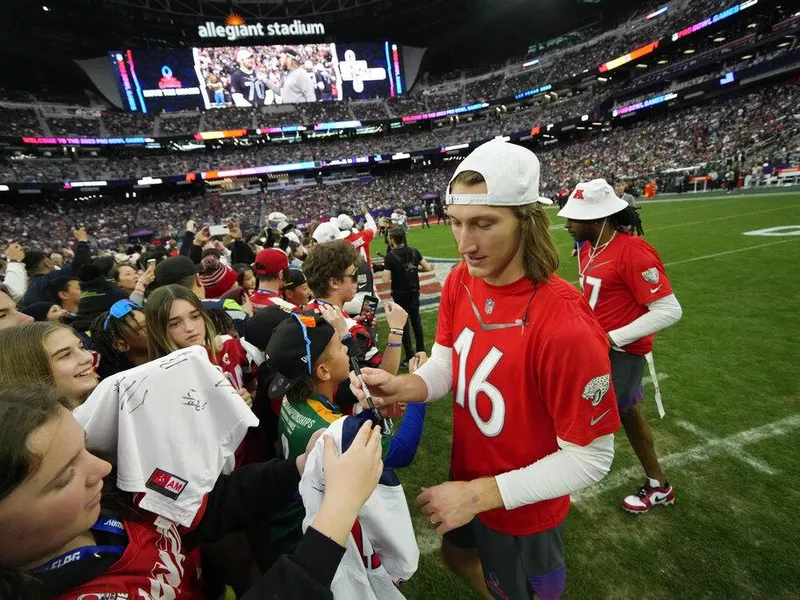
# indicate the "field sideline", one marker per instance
pixel 728 375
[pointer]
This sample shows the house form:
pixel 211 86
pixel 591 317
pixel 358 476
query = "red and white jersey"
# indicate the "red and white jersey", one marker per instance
pixel 234 361
pixel 154 564
pixel 263 298
pixel 517 388
pixel 621 281
pixel 361 241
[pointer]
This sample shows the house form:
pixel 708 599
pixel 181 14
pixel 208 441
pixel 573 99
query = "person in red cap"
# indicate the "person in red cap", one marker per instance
pixel 268 268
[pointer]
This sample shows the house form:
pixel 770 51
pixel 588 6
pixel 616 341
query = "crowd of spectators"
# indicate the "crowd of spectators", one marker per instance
pixel 483 89
pixel 35 169
pixel 412 104
pixel 369 111
pixel 179 125
pixel 711 137
pixel 127 123
pixel 445 100
pixel 19 121
pixel 75 126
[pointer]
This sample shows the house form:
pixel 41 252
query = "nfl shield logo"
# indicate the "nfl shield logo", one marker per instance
pixel 489 306
pixel 651 275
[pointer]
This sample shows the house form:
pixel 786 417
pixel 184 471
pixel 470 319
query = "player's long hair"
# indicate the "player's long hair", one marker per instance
pixel 539 255
pixel 627 220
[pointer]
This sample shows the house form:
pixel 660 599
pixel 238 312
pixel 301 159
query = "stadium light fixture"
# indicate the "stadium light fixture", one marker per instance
pixel 45 8
pixel 783 44
pixel 747 57
pixel 604 79
pixel 719 38
pixel 752 25
pixel 663 61
pixel 641 66
pixel 689 51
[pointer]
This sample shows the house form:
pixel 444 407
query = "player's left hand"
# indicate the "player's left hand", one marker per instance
pixel 448 505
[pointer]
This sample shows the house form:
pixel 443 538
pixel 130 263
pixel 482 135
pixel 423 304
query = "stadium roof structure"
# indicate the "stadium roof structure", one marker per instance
pixel 494 28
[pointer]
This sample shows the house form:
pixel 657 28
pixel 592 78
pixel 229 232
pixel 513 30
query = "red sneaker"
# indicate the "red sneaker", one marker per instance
pixel 651 494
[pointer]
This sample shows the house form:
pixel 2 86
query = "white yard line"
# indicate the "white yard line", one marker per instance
pixel 712 446
pixel 737 250
pixel 705 451
pixel 733 448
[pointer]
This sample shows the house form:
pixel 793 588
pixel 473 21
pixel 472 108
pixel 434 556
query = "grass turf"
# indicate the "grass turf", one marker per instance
pixel 731 365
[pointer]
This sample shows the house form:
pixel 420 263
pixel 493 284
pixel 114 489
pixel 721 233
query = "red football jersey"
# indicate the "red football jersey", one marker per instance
pixel 361 242
pixel 263 298
pixel 621 281
pixel 517 388
pixel 154 565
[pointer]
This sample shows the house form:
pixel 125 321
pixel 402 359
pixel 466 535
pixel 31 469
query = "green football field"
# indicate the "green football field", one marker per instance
pixel 729 378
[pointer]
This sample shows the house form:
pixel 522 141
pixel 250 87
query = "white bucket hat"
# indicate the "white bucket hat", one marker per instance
pixel 592 200
pixel 345 222
pixel 327 232
pixel 511 173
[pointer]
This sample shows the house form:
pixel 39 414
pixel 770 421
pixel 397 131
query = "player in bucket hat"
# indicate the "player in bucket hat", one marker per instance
pixel 518 347
pixel 626 285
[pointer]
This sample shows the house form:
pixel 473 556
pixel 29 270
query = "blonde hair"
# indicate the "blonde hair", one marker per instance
pixel 23 357
pixel 539 254
pixel 156 313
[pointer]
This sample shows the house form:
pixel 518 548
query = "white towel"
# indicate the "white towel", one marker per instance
pixel 172 425
pixel 381 552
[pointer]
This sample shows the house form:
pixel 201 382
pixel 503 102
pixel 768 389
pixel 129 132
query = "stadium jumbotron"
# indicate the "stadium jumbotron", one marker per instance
pixel 358 208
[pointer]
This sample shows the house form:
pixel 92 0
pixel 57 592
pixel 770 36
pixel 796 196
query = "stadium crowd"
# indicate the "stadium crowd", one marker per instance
pixel 711 137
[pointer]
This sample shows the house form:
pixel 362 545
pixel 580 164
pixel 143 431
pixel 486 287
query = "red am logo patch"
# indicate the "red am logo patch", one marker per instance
pixel 167 484
pixel 578 194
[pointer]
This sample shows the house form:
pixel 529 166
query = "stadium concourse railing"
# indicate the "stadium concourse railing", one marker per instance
pixel 581 122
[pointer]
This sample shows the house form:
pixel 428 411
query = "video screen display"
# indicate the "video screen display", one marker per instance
pixel 152 80
pixel 243 76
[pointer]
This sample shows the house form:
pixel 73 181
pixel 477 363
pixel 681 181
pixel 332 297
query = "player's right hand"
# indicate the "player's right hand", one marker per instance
pixel 384 387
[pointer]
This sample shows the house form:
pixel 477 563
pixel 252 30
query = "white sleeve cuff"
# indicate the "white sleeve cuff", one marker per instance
pixel 16 280
pixel 437 373
pixel 660 314
pixel 566 471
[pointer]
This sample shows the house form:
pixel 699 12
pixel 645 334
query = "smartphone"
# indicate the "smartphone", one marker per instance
pixel 216 230
pixel 368 309
pixel 151 263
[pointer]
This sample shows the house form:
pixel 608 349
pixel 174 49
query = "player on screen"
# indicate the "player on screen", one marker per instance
pixel 625 283
pixel 247 89
pixel 534 412
pixel 296 86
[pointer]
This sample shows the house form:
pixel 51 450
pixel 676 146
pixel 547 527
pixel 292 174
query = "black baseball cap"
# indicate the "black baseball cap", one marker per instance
pixel 175 268
pixel 260 327
pixel 293 278
pixel 295 345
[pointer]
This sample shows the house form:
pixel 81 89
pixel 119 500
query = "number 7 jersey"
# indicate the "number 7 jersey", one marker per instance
pixel 621 281
pixel 530 365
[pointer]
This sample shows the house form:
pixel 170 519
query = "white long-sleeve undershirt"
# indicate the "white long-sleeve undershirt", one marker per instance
pixel 660 314
pixel 565 471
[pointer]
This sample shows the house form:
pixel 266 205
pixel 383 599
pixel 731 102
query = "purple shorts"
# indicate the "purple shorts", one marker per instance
pixel 626 374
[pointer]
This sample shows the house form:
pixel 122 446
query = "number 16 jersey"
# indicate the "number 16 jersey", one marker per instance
pixel 530 364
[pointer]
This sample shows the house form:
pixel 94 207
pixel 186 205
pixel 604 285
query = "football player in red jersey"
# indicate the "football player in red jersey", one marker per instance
pixel 624 281
pixel 534 413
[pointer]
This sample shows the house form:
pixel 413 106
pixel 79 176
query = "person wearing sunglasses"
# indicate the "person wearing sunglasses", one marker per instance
pixel 51 354
pixel 534 411
pixel 310 362
pixel 120 338
pixel 331 270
